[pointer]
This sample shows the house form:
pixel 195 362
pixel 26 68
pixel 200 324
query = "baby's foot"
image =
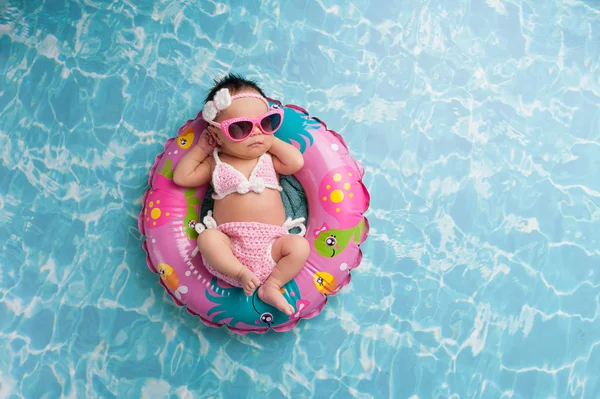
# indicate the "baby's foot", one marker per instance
pixel 249 281
pixel 270 293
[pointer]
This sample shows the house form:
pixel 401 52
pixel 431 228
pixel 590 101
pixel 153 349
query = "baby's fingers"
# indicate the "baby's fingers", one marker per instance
pixel 215 137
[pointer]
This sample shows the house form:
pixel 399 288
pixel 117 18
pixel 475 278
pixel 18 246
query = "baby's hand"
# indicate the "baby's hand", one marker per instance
pixel 207 142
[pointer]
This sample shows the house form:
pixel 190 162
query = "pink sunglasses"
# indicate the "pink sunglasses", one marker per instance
pixel 239 129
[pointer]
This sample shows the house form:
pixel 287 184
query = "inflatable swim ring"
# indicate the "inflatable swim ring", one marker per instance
pixel 336 198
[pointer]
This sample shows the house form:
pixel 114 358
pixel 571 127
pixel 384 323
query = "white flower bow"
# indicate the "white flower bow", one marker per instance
pixel 258 185
pixel 243 187
pixel 221 101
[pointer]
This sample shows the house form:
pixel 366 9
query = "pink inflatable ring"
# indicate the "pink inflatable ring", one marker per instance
pixel 336 198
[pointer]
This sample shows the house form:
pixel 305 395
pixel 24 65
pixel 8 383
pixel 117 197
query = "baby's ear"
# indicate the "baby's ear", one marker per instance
pixel 214 134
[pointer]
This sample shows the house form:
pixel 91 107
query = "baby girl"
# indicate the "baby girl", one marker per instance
pixel 247 243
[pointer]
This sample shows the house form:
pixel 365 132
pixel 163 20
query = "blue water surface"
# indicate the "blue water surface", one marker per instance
pixel 477 122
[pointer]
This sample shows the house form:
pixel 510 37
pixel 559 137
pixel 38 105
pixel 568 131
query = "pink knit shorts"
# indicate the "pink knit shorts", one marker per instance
pixel 251 244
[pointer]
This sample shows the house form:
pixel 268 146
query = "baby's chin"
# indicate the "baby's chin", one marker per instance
pixel 250 150
pixel 256 150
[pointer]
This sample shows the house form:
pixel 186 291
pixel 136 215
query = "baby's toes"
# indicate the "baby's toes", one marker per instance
pixel 249 288
pixel 289 310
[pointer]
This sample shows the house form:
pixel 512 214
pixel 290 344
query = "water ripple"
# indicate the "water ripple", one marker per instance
pixel 479 130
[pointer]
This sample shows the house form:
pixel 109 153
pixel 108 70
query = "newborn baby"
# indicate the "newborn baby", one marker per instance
pixel 245 240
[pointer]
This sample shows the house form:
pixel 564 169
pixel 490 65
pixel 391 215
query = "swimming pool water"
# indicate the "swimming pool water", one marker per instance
pixel 478 125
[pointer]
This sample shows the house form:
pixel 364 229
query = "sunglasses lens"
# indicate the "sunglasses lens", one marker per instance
pixel 271 123
pixel 240 130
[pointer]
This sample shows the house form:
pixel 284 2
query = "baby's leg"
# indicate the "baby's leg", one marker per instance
pixel 290 252
pixel 215 246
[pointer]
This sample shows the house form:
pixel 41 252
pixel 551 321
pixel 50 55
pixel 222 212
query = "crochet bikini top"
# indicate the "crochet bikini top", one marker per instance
pixel 227 180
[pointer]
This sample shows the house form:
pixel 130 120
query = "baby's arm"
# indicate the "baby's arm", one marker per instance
pixel 194 169
pixel 287 159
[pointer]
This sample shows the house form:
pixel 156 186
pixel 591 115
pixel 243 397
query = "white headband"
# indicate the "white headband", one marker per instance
pixel 222 100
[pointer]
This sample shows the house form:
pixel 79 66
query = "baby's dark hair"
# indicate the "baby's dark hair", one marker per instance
pixel 234 83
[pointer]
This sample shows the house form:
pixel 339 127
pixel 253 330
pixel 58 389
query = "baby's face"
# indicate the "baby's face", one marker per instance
pixel 257 143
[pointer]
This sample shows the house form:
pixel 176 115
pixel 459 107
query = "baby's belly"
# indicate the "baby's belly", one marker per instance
pixel 251 207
